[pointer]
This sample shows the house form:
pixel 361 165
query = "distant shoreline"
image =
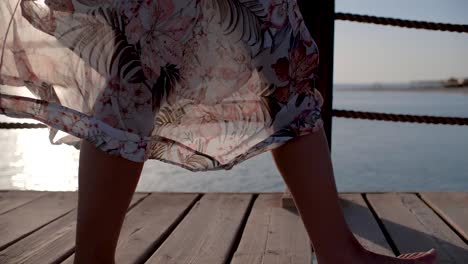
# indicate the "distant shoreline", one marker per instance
pixel 463 90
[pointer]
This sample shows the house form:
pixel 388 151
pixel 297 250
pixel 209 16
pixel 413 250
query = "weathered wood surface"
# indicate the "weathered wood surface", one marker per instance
pixel 147 223
pixel 452 206
pixel 11 200
pixel 207 233
pixel 363 224
pixel 413 226
pixel 39 227
pixel 25 219
pixel 50 244
pixel 273 235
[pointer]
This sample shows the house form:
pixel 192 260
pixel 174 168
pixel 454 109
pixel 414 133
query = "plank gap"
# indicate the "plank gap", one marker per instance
pixel 144 196
pixel 23 204
pixel 241 229
pixel 32 231
pixel 384 230
pixel 66 255
pixel 145 257
pixel 442 217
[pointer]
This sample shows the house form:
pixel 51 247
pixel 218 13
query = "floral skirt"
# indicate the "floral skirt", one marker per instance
pixel 203 84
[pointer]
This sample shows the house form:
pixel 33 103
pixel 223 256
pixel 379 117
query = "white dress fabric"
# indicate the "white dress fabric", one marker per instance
pixel 203 84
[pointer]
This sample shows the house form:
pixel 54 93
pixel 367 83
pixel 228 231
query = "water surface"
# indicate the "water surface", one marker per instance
pixel 367 155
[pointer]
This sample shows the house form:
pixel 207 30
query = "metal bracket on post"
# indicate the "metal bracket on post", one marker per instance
pixel 319 17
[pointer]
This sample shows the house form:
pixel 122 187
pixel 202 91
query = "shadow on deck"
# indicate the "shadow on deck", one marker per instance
pixel 237 228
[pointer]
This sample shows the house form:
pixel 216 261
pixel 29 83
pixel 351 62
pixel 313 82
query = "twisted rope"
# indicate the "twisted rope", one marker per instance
pixel 20 125
pixel 461 121
pixel 422 119
pixel 402 22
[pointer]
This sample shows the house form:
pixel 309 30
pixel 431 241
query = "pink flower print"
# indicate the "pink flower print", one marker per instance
pixel 282 94
pixel 229 112
pixel 130 8
pixel 306 130
pixel 114 84
pixel 253 86
pixel 281 68
pixel 250 108
pixel 60 5
pixel 303 68
pixel 298 70
pixel 159 33
pixel 110 120
pixel 56 120
pixel 303 115
pixel 297 23
pixel 278 13
pixel 209 130
pixel 294 15
pixel 306 37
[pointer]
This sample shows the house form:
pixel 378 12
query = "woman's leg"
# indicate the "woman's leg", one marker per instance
pixel 106 184
pixel 306 167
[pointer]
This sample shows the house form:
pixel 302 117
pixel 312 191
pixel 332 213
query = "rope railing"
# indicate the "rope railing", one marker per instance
pixel 461 121
pixel 20 125
pixel 422 119
pixel 402 22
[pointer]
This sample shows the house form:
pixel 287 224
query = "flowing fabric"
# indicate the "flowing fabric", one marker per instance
pixel 203 84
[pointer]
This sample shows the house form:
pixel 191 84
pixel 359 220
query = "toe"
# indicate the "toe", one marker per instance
pixel 428 257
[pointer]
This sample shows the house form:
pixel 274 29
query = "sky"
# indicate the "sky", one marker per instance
pixel 366 53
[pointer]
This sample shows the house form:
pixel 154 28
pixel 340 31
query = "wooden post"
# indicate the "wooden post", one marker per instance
pixel 319 17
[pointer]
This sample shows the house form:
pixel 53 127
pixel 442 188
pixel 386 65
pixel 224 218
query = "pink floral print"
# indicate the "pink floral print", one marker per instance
pixel 202 84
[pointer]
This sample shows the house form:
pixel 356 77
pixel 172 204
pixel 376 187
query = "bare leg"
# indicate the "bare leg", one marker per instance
pixel 106 185
pixel 306 167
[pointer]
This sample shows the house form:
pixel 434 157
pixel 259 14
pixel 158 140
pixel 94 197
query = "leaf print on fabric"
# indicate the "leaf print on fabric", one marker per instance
pixel 169 116
pixel 244 17
pixel 97 37
pixel 280 36
pixel 270 104
pixel 123 59
pixel 160 30
pixel 196 160
pixel 297 70
pixel 60 5
pixel 164 86
pixel 202 84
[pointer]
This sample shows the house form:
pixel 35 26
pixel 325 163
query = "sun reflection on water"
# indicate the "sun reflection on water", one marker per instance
pixel 44 166
pixel 31 162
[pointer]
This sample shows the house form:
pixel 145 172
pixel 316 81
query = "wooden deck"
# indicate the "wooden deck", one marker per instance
pixel 179 228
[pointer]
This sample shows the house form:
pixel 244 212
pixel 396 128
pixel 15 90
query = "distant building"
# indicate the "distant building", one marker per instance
pixel 453 82
pixel 465 82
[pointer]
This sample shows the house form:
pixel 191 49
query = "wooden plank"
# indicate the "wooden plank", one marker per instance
pixel 363 224
pixel 21 221
pixel 10 200
pixel 273 235
pixel 452 206
pixel 207 233
pixel 415 227
pixel 49 244
pixel 360 220
pixel 147 223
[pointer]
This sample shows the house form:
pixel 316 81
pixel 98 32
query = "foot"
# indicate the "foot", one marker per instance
pixel 368 257
pixel 426 257
pixel 429 256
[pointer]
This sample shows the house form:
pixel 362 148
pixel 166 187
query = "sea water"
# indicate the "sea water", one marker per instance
pixel 367 155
